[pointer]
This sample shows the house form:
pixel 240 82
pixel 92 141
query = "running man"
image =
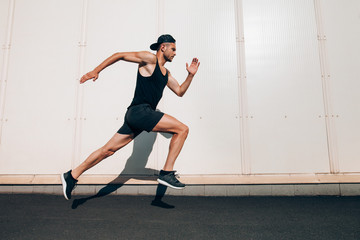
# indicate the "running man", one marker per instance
pixel 152 77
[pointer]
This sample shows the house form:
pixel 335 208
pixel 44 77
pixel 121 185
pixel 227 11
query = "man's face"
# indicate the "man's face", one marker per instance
pixel 169 51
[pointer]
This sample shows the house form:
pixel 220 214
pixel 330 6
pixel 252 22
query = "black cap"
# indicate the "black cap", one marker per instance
pixel 166 38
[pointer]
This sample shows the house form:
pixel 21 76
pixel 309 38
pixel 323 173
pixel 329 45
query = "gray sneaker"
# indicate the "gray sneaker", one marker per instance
pixel 170 180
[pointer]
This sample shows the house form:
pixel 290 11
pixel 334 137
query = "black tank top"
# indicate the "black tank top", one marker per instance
pixel 150 89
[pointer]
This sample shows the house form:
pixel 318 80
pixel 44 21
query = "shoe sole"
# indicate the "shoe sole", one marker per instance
pixel 64 186
pixel 169 185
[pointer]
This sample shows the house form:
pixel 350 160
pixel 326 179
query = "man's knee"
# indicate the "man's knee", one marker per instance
pixel 115 144
pixel 107 152
pixel 184 130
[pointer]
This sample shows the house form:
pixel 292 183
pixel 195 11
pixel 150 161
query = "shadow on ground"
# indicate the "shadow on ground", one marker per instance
pixel 142 148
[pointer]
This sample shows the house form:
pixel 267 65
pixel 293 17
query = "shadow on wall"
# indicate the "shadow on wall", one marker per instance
pixel 142 148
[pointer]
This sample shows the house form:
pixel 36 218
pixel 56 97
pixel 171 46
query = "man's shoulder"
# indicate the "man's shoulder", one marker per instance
pixel 147 57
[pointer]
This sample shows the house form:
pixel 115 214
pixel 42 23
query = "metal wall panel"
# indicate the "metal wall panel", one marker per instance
pixel 210 107
pixel 4 9
pixel 116 26
pixel 342 31
pixel 37 136
pixel 286 122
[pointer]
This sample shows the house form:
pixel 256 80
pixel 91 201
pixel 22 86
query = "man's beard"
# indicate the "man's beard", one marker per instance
pixel 169 59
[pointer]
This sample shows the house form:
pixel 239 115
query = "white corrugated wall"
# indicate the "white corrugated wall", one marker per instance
pixel 277 90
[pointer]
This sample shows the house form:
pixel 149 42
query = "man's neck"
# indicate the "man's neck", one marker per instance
pixel 160 58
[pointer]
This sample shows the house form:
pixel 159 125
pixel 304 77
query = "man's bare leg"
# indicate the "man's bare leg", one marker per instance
pixel 115 143
pixel 68 179
pixel 180 131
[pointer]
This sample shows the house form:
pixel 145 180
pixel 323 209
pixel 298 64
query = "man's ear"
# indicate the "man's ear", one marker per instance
pixel 162 47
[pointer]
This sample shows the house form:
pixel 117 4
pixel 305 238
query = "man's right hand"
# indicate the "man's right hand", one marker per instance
pixel 90 75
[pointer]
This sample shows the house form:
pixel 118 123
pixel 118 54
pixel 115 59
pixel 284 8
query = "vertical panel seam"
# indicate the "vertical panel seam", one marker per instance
pixel 79 89
pixel 5 66
pixel 160 30
pixel 242 87
pixel 325 79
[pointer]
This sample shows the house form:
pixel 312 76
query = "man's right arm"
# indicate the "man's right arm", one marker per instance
pixel 141 58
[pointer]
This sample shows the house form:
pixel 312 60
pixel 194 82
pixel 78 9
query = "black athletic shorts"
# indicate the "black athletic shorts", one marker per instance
pixel 139 118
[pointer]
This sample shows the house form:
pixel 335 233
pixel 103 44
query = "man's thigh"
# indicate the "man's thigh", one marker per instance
pixel 118 141
pixel 169 124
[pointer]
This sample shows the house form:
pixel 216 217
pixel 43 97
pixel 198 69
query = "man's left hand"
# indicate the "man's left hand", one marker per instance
pixel 192 69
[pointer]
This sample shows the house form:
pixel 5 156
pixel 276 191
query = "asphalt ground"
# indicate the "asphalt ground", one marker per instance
pixel 173 217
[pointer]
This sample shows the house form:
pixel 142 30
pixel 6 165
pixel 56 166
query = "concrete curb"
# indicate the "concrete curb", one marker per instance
pixel 231 190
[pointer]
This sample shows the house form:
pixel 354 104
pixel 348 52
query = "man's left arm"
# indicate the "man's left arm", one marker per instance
pixel 175 86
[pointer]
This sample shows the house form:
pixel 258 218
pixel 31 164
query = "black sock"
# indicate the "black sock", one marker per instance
pixel 165 172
